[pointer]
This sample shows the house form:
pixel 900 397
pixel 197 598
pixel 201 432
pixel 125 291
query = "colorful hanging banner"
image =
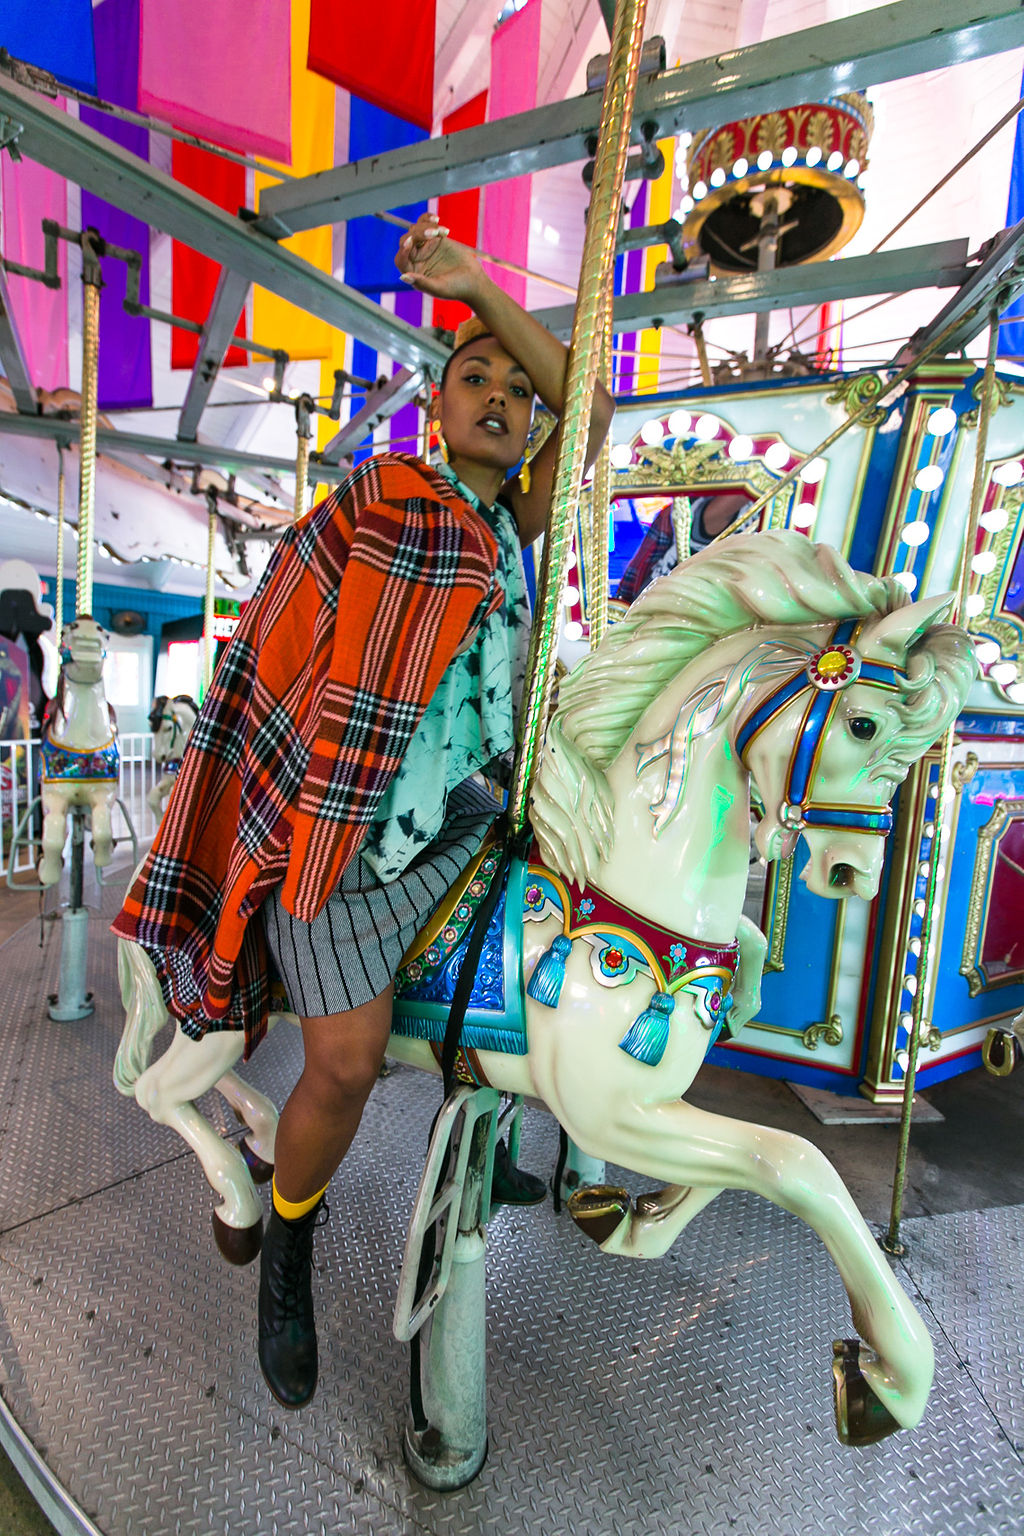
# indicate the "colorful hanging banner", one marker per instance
pixel 629 278
pixel 659 211
pixel 215 69
pixel 460 211
pixel 56 37
pixel 371 244
pixel 30 193
pixel 125 369
pixel 405 423
pixel 275 322
pixel 505 226
pixel 194 277
pixel 391 66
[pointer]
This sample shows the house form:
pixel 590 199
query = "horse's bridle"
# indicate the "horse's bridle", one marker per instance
pixel 824 678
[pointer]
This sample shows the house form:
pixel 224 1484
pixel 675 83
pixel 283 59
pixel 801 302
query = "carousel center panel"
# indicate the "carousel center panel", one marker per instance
pixel 623 1396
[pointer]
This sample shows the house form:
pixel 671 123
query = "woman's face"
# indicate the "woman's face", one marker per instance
pixel 486 405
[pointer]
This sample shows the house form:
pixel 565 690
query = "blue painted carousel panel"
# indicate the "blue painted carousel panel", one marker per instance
pixel 870 512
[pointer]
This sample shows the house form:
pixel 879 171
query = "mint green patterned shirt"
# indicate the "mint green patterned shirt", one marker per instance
pixel 470 719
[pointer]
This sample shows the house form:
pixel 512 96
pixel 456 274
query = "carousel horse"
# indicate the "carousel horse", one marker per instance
pixel 170 720
pixel 81 761
pixel 768 660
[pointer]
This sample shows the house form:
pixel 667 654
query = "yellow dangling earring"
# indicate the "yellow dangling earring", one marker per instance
pixel 524 478
pixel 435 427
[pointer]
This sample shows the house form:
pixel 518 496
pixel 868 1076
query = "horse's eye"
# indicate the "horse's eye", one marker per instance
pixel 862 727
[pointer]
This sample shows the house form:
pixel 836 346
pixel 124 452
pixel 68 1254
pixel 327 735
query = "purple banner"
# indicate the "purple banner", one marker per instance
pixel 405 423
pixel 125 371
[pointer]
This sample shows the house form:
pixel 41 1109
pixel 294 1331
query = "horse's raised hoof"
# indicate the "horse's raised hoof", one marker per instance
pixel 239 1245
pixel 599 1209
pixel 861 1418
pixel 259 1171
pixel 1000 1052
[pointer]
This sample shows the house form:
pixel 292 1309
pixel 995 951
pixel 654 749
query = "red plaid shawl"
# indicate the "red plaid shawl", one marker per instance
pixel 361 609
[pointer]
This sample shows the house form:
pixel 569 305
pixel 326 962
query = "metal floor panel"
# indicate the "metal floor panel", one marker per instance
pixel 691 1395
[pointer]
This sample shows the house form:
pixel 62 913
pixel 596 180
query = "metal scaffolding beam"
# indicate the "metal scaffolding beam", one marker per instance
pixel 894 42
pixel 163 449
pixel 214 340
pixel 378 406
pixel 12 355
pixel 922 266
pixel 996 282
pixel 68 147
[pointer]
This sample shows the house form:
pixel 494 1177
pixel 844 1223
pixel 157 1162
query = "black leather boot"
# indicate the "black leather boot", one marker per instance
pixel 287 1331
pixel 511 1185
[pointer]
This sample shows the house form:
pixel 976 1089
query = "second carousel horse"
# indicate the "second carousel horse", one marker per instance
pixel 170 720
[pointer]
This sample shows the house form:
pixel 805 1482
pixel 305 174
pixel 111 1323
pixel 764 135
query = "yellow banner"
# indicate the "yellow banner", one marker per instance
pixel 659 210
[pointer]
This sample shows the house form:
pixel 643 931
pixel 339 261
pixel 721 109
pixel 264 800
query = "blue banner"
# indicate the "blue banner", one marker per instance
pixel 371 244
pixel 56 37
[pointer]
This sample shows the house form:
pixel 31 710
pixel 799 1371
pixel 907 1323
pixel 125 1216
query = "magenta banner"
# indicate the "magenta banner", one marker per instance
pixel 505 224
pixel 30 194
pixel 220 69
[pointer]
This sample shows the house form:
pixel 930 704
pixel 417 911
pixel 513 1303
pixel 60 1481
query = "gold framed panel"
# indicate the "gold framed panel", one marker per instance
pixel 1004 814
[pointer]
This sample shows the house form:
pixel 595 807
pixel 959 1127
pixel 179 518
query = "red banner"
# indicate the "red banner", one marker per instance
pixel 460 211
pixel 386 58
pixel 194 277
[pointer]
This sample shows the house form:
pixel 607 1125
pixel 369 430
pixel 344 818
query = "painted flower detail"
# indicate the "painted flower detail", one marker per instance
pixel 613 961
pixel 585 908
pixel 534 897
pixel 463 911
pixel 432 955
pixel 677 955
pixel 477 888
pixel 449 934
pixel 413 970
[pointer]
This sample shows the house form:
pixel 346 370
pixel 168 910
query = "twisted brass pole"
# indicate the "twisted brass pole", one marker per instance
pixel 936 864
pixel 208 605
pixel 58 598
pixel 91 283
pixel 600 504
pixel 573 430
pixel 304 433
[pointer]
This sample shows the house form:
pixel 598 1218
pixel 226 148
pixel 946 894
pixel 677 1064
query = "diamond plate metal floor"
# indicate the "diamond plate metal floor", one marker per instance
pixel 690 1395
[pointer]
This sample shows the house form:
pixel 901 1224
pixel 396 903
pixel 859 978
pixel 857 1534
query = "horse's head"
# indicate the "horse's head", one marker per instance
pixel 83 647
pixel 828 746
pixel 171 720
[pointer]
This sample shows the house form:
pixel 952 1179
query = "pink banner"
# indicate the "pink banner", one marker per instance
pixel 219 69
pixel 505 224
pixel 31 194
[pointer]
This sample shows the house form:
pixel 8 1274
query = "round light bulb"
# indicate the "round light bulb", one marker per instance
pixel 803 515
pixel 789 155
pixel 570 595
pixel 621 455
pixel 652 432
pixel 717 177
pixel 573 630
pixel 740 448
pixel 1003 672
pixel 813 471
pixel 698 191
pixel 852 169
pixel 929 477
pixel 974 605
pixel 984 562
pixel 706 428
pixel 741 167
pixel 686 205
pixel 777 456
pixel 941 421
pixel 571 562
pixel 1010 473
pixel 906 579
pixel 987 652
pixel 995 520
pixel 1015 692
pixel 679 423
pixel 269 384
pixel 910 985
pixel 765 160
pixel 812 156
pixel 834 160
pixel 915 533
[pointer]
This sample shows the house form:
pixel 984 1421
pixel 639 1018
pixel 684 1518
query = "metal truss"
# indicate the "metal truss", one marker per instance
pixel 379 405
pixel 994 284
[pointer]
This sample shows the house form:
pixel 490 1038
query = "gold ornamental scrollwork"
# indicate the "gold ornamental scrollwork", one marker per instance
pixel 977 899
pixel 782 881
pixel 963 773
pixel 1003 397
pixel 829 1032
pixel 854 394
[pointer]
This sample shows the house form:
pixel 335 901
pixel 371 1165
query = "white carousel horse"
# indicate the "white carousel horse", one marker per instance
pixel 81 761
pixel 768 659
pixel 170 720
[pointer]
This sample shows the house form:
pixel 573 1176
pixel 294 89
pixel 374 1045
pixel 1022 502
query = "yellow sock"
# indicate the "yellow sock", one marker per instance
pixel 291 1210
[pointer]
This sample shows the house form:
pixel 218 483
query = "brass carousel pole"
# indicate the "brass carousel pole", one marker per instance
pixel 930 938
pixel 595 283
pixel 304 434
pixel 600 505
pixel 58 597
pixel 208 605
pixel 92 281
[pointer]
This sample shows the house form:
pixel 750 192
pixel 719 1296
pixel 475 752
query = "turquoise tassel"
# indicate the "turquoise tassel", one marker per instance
pixel 546 982
pixel 648 1034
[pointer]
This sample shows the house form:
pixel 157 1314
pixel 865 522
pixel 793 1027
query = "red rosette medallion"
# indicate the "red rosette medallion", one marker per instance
pixel 836 667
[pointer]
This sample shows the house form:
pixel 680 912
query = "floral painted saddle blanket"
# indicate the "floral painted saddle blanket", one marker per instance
pixel 622 947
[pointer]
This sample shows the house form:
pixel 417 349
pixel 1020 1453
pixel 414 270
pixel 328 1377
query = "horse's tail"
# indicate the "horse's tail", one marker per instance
pixel 145 1014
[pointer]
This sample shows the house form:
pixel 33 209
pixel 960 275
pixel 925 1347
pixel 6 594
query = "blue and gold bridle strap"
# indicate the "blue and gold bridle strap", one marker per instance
pixel 828 673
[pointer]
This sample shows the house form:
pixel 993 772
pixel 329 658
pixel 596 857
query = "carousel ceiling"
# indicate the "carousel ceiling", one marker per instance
pixel 937 72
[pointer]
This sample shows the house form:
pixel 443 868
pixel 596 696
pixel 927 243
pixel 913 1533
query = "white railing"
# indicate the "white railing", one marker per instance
pixel 19 785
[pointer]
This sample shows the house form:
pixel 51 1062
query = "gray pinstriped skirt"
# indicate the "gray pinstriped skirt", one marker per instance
pixel 352 949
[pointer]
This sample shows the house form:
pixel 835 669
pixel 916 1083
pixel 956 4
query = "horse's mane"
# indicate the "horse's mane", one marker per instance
pixel 748 580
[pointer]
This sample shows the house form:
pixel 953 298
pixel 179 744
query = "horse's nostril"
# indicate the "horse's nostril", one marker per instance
pixel 841 875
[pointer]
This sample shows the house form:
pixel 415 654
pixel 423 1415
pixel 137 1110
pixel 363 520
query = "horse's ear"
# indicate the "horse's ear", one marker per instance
pixel 894 634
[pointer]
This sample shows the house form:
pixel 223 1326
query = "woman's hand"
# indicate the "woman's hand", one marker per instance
pixel 431 261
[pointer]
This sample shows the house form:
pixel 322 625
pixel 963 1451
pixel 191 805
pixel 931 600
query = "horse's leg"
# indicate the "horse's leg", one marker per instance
pixel 702 1154
pixel 260 1114
pixel 186 1070
pixel 55 809
pixel 101 803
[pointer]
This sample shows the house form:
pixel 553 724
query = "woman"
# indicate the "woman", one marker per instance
pixel 373 672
